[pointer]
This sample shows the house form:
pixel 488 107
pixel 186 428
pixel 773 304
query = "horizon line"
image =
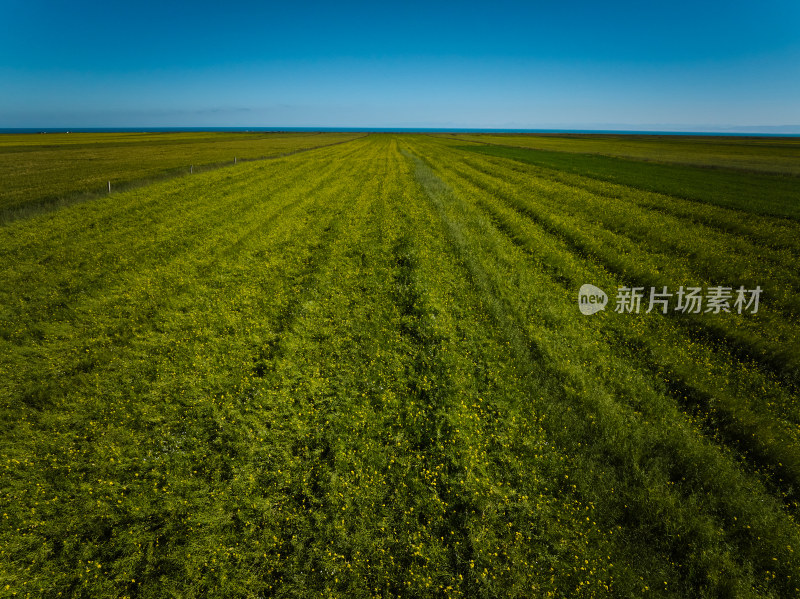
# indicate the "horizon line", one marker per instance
pixel 742 131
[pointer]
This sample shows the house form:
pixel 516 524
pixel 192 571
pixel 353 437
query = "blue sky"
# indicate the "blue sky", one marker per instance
pixel 408 64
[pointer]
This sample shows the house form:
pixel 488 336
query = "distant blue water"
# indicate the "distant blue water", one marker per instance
pixel 378 130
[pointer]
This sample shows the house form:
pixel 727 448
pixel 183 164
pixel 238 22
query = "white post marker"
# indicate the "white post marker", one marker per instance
pixel 109 187
pixel 234 159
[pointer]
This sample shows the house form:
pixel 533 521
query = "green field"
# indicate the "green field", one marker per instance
pixel 755 154
pixel 57 168
pixel 360 370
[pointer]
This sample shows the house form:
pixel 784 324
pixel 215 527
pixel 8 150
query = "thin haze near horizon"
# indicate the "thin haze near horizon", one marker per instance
pixel 698 65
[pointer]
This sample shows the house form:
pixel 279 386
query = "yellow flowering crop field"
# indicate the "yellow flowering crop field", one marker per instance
pixel 363 370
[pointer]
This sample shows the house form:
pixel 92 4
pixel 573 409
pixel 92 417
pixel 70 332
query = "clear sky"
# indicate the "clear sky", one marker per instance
pixel 494 63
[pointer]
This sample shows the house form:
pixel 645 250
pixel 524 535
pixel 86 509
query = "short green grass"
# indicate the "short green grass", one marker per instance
pixel 360 371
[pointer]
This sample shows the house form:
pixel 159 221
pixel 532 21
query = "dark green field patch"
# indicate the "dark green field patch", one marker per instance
pixel 772 195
